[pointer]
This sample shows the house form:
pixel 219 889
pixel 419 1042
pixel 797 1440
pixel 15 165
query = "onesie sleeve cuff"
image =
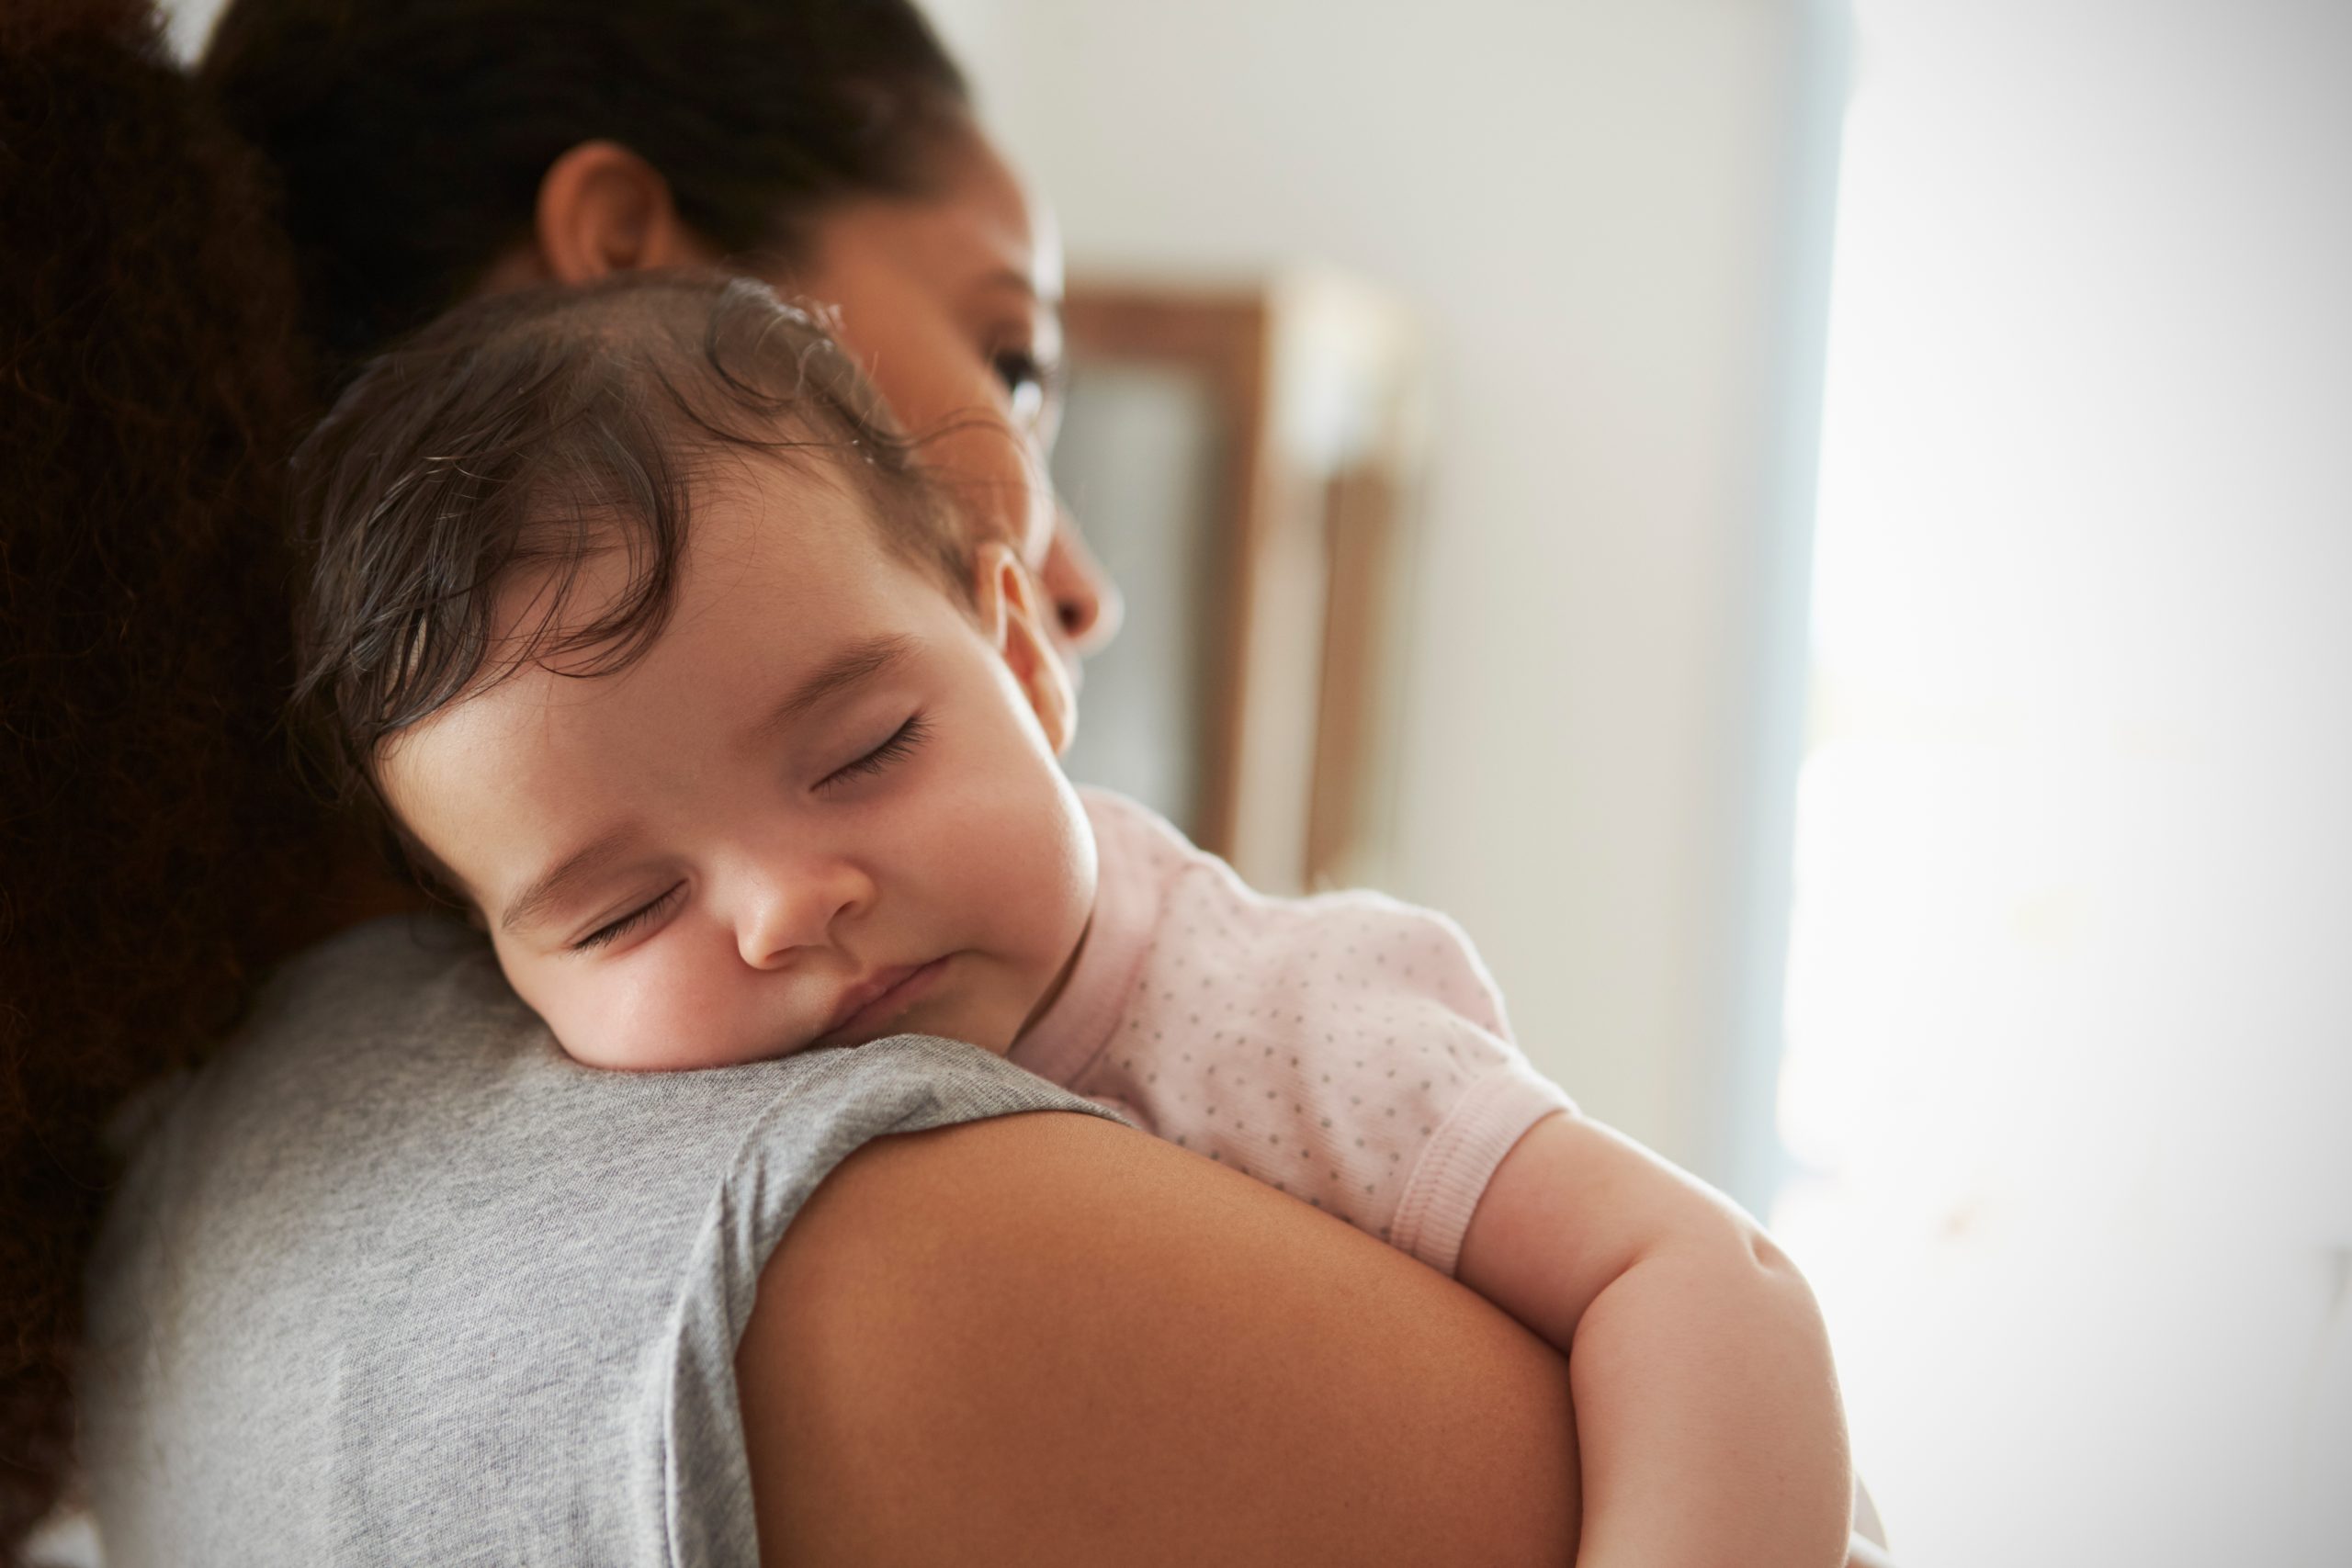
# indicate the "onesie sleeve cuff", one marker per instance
pixel 1460 1158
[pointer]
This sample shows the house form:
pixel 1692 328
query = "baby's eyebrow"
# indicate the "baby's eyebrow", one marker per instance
pixel 536 899
pixel 852 668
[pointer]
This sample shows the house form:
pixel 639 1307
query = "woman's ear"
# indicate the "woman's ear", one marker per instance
pixel 603 210
pixel 1007 599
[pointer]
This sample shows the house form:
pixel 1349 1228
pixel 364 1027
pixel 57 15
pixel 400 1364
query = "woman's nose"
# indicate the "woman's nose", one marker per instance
pixel 789 908
pixel 1087 606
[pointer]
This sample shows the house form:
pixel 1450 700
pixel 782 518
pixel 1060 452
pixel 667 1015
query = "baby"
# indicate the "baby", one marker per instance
pixel 664 659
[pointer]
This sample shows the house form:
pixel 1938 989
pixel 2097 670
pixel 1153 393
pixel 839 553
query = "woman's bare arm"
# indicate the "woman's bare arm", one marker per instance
pixel 1046 1340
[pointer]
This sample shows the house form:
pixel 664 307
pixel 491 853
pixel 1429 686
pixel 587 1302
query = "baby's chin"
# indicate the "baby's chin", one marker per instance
pixel 619 1047
pixel 634 1059
pixel 667 1051
pixel 961 995
pixel 607 1057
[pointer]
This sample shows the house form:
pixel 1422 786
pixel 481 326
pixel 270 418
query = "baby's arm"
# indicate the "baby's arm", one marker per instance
pixel 1707 1409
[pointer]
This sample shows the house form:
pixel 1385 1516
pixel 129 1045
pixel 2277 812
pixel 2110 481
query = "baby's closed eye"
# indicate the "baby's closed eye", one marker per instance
pixel 897 747
pixel 644 914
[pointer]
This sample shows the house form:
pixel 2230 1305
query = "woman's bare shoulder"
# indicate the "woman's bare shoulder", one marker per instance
pixel 1047 1339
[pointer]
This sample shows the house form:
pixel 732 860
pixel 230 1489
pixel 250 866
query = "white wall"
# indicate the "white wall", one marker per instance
pixel 1584 199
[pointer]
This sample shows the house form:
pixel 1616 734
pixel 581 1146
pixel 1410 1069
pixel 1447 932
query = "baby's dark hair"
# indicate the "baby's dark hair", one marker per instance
pixel 537 431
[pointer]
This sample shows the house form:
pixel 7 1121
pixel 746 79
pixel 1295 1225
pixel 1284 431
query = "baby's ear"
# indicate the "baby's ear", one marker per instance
pixel 1008 602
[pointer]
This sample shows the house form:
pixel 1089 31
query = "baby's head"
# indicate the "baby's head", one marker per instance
pixel 639 624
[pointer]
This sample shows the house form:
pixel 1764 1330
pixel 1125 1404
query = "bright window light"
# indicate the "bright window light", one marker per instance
pixel 2069 1015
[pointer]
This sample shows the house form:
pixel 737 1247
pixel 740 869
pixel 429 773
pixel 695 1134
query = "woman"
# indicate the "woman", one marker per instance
pixel 946 1356
pixel 930 1368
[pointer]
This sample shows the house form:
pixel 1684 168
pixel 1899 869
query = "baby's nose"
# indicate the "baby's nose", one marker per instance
pixel 797 908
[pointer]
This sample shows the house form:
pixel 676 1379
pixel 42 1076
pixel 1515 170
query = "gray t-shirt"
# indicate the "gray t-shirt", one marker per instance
pixel 393 1281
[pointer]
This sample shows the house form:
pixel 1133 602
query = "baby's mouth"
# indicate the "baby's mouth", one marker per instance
pixel 866 1010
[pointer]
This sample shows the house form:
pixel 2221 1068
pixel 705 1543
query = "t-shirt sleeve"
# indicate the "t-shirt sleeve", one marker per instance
pixel 1349 1050
pixel 688 1423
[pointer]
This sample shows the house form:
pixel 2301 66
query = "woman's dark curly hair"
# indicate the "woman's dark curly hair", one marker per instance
pixel 151 838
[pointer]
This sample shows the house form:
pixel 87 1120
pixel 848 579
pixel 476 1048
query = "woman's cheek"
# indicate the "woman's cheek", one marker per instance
pixel 999 480
pixel 946 397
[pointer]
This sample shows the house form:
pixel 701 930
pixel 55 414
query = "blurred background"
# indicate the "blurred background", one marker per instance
pixel 1822 533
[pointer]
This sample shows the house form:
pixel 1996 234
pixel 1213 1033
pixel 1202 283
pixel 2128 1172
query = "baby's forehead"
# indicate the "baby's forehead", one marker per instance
pixel 746 547
pixel 777 618
pixel 579 569
pixel 828 519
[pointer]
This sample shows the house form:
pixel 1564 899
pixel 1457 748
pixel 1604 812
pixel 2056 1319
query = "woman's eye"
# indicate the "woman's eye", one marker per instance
pixel 902 741
pixel 1027 382
pixel 605 935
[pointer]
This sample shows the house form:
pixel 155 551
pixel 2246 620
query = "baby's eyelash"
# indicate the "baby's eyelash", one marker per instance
pixel 902 741
pixel 627 923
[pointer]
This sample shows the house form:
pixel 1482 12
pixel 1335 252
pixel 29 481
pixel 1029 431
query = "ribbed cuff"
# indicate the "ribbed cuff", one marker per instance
pixel 1452 1174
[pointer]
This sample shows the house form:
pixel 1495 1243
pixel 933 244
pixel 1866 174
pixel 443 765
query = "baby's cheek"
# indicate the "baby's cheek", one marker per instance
pixel 610 1020
pixel 665 1017
pixel 1048 874
pixel 591 1029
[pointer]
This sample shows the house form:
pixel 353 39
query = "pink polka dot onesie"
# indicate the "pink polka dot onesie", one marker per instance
pixel 1347 1049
